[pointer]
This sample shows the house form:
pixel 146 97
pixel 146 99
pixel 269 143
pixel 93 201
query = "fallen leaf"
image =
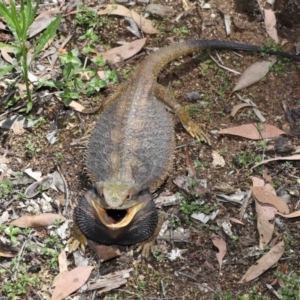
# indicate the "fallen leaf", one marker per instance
pixel 123 52
pixel 186 5
pixel 110 281
pixel 76 106
pixel 221 245
pixel 265 213
pixel 264 263
pixel 254 73
pixel 236 108
pixel 257 112
pixel 160 10
pixel 41 220
pixel 63 262
pixel 5 53
pixel 270 22
pixel 250 131
pixel 265 195
pixel 237 221
pixel 106 252
pixel 293 157
pixel 294 214
pixel 7 250
pixel 70 282
pixel 120 10
pixel 41 22
pixel 218 160
pixel 257 181
pixel 189 164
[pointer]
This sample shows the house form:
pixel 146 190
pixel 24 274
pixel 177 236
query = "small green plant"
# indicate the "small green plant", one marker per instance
pixel 87 17
pixel 12 232
pixel 6 187
pixel 181 32
pixel 190 207
pixel 52 249
pixel 19 22
pixel 58 156
pixel 81 78
pixel 141 284
pixel 14 288
pixel 291 289
pixel 247 159
pixel 30 147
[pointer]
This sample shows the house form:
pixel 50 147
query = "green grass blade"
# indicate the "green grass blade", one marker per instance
pixel 6 14
pixel 15 16
pixel 45 37
pixel 3 45
pixel 6 69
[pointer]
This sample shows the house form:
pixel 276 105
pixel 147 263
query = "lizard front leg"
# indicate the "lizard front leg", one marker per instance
pixel 146 246
pixel 191 127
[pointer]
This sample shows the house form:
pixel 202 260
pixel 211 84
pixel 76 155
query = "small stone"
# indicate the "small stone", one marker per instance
pixel 192 96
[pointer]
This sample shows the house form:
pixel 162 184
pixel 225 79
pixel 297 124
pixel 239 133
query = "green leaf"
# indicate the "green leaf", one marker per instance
pixel 6 69
pixel 29 106
pixel 45 37
pixel 3 45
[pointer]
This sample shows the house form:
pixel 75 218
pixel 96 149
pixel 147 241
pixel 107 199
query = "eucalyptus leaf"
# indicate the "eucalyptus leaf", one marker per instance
pixel 45 37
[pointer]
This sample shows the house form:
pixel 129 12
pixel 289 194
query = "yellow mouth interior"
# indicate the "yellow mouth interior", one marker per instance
pixel 116 218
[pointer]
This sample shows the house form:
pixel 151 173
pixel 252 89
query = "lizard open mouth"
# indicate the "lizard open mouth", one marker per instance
pixel 116 218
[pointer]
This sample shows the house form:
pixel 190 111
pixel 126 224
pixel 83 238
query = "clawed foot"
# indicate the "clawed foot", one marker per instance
pixel 78 240
pixel 145 248
pixel 196 132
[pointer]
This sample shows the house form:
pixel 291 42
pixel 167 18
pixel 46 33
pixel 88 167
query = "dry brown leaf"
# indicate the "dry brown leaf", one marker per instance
pixel 41 220
pixel 106 252
pixel 221 245
pixel 5 55
pixel 70 282
pixel 42 21
pixel 160 10
pixel 270 22
pixel 63 262
pixel 76 106
pixel 294 214
pixel 110 281
pixel 236 108
pixel 250 131
pixel 218 160
pixel 265 213
pixel 123 52
pixel 293 157
pixel 8 250
pixel 189 163
pixel 235 220
pixel 120 10
pixel 257 181
pixel 186 5
pixel 265 195
pixel 264 263
pixel 254 73
pixel 18 129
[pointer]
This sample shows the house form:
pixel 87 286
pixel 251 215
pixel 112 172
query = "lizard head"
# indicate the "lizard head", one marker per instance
pixel 118 203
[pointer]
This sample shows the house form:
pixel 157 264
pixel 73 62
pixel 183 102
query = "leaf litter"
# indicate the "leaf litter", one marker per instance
pixel 195 171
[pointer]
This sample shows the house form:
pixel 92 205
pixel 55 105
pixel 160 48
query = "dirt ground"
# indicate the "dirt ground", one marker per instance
pixel 196 275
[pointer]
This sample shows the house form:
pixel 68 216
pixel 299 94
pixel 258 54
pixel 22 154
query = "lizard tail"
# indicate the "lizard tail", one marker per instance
pixel 157 60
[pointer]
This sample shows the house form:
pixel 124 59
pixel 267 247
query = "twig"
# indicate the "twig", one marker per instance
pixel 15 269
pixel 67 193
pixel 163 290
pixel 186 275
pixel 6 152
pixel 223 67
pixel 245 204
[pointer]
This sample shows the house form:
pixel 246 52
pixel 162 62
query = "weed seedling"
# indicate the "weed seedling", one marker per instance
pixel 19 22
